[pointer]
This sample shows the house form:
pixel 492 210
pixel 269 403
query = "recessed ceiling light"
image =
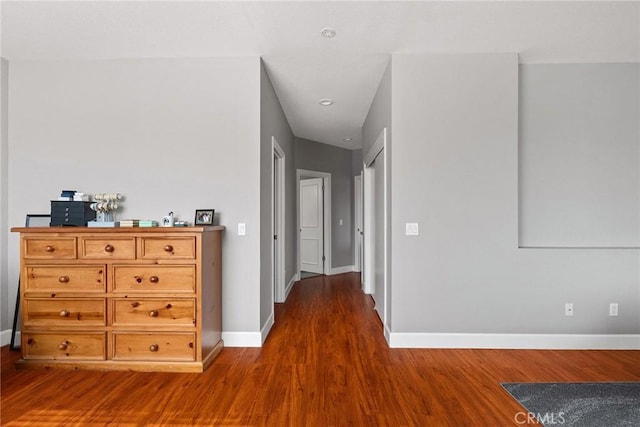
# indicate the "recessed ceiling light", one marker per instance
pixel 326 102
pixel 328 33
pixel 346 139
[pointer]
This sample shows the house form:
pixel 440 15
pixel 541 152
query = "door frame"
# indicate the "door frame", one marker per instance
pixel 278 284
pixel 326 201
pixel 368 208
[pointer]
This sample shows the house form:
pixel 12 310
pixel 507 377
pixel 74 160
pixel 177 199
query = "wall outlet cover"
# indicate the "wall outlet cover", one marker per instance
pixel 412 229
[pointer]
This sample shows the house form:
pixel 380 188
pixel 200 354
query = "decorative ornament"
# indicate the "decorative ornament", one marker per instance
pixel 106 205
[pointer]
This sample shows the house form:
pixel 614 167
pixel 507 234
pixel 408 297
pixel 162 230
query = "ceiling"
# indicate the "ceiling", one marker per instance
pixel 305 67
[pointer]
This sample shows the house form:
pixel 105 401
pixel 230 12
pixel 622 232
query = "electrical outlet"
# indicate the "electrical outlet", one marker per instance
pixel 613 309
pixel 568 309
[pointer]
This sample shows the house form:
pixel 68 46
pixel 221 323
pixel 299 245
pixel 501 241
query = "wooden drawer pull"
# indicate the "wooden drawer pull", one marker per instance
pixel 109 248
pixel 154 347
pixel 168 248
pixel 63 345
pixel 49 248
pixel 65 313
pixel 154 279
pixel 63 279
pixel 153 313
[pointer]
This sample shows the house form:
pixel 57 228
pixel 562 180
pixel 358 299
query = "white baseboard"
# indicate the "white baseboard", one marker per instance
pixel 289 286
pixel 514 341
pixel 242 339
pixel 341 270
pixel 264 333
pixel 387 335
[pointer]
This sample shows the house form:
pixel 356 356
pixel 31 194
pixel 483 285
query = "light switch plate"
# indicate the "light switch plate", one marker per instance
pixel 412 229
pixel 242 229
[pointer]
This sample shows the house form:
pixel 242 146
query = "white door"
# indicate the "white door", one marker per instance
pixel 311 226
pixel 274 203
pixel 358 222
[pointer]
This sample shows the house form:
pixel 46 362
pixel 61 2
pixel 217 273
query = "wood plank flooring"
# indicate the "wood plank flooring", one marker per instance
pixel 325 363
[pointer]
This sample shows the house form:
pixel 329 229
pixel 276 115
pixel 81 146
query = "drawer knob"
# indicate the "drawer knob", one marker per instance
pixel 168 248
pixel 63 279
pixel 108 248
pixel 63 345
pixel 65 313
pixel 153 347
pixel 49 248
pixel 153 313
pixel 154 279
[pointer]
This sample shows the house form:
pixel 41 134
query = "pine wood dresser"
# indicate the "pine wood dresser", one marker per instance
pixel 142 299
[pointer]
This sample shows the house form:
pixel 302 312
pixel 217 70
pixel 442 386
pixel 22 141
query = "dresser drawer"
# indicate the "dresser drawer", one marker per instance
pixel 64 346
pixel 168 248
pixel 64 312
pixel 154 278
pixel 49 248
pixel 154 346
pixel 59 278
pixel 100 248
pixel 148 312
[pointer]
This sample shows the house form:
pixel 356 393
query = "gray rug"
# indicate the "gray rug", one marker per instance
pixel 607 404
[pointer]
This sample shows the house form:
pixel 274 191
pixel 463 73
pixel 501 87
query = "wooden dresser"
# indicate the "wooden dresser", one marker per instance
pixel 143 299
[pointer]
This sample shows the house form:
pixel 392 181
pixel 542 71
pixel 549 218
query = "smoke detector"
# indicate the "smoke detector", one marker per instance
pixel 328 33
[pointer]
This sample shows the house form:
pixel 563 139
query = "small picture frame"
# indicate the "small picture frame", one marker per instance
pixel 204 217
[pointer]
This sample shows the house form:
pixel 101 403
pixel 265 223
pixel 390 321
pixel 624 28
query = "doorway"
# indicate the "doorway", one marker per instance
pixel 277 230
pixel 358 226
pixel 375 227
pixel 314 223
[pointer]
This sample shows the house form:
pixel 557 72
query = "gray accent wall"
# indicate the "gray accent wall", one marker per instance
pixel 356 169
pixel 579 155
pixel 314 156
pixel 274 123
pixel 7 302
pixel 170 134
pixel 455 172
pixel 356 162
pixel 379 115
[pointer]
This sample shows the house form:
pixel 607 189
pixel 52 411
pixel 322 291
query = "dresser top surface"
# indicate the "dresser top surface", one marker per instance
pixel 120 230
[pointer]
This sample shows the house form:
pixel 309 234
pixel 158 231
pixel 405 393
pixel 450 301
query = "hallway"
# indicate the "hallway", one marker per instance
pixel 325 363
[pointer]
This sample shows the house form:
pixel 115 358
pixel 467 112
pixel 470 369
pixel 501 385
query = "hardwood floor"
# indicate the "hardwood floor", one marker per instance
pixel 325 363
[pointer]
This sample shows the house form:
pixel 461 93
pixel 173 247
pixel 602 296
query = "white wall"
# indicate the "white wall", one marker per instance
pixel 170 134
pixel 274 123
pixel 579 155
pixel 455 171
pixel 7 303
